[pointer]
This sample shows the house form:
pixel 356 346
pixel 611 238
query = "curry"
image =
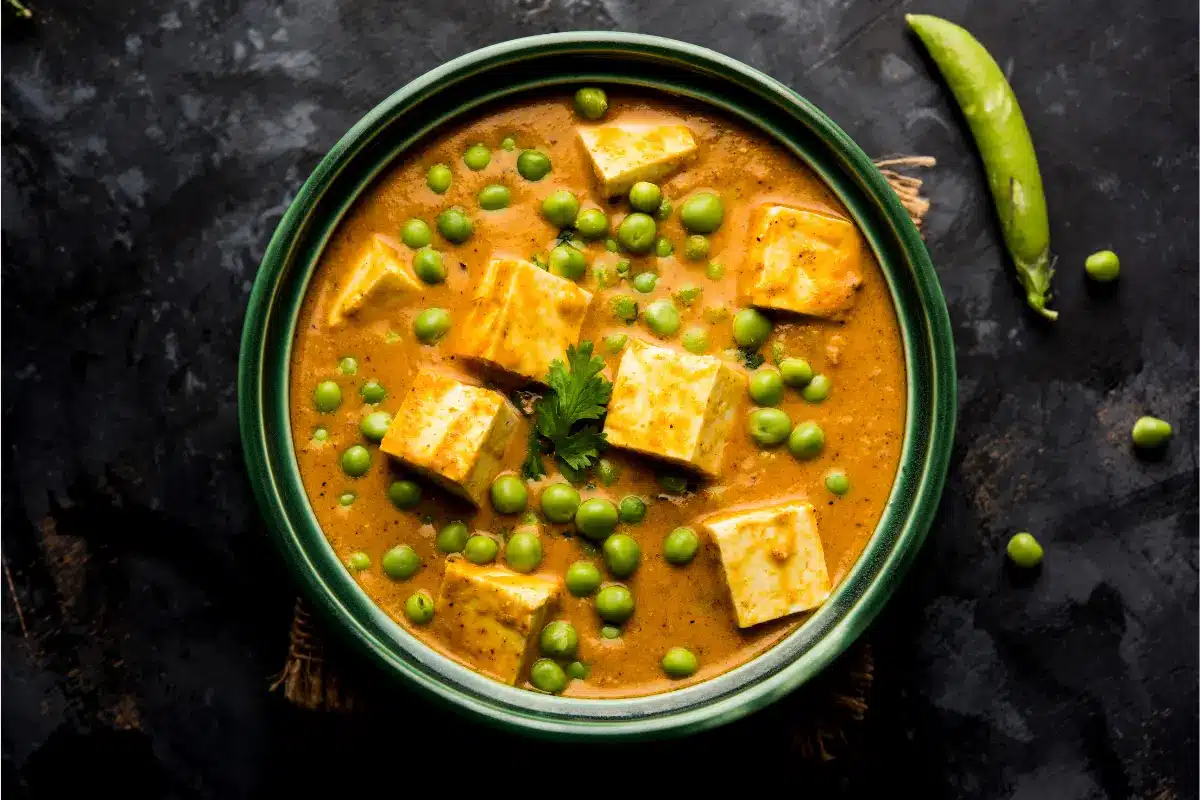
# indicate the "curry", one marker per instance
pixel 598 398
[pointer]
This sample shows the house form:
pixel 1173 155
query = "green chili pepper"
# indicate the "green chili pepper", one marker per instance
pixel 991 109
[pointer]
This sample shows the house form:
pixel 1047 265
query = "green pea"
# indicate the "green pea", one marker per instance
pixel 751 328
pixel 671 483
pixel 508 144
pixel 438 178
pixel 663 247
pixel 623 267
pixel 431 325
pixel 356 460
pixel 523 552
pixel 348 366
pixel 509 495
pixel 561 208
pixel 614 604
pixel 622 554
pixel 481 549
pixel 624 307
pixel 583 578
pixel 695 340
pixel 714 271
pixel 636 233
pixel 837 482
pixel 1150 432
pixel 373 393
pixel 320 434
pixel 796 372
pixel 454 225
pixel 688 295
pixel 401 562
pixel 607 472
pixel 1024 550
pixel 632 509
pixel 559 640
pixel 416 234
pixel 1103 266
pixel 533 165
pixel 596 518
pixel 806 441
pixel 681 546
pixel 358 561
pixel 452 538
pixel 766 387
pixel 560 502
pixel 374 426
pixel 567 262
pixel 664 210
pixel 645 282
pixel 592 223
pixel 769 426
pixel 696 248
pixel 611 246
pixel 610 632
pixel 327 397
pixel 679 662
pixel 546 676
pixel 591 103
pixel 428 265
pixel 419 607
pixel 662 318
pixel 493 197
pixel 477 157
pixel 645 197
pixel 818 389
pixel 347 498
pixel 615 342
pixel 577 670
pixel 702 213
pixel 404 494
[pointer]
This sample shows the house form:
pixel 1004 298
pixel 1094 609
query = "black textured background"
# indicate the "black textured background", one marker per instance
pixel 150 148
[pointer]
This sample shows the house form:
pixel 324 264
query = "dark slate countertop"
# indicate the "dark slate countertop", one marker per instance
pixel 149 151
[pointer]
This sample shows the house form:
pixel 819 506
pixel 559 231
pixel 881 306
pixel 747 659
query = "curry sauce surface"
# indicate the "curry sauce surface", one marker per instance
pixel 676 606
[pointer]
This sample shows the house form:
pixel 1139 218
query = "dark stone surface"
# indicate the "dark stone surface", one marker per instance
pixel 150 149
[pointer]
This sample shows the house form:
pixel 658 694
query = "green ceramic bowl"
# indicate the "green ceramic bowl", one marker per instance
pixel 445 95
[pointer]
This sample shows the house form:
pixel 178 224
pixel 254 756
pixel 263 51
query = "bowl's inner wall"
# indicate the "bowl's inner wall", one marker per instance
pixel 385 135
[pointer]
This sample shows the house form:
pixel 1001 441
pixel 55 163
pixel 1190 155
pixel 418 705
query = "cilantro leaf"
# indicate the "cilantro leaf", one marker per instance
pixel 532 468
pixel 578 395
pixel 580 448
pixel 751 357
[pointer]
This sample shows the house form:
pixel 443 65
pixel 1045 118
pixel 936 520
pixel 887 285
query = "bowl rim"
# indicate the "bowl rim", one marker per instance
pixel 702 705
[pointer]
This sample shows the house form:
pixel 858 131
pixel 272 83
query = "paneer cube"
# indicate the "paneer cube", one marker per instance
pixel 521 318
pixel 379 275
pixel 675 406
pixel 454 433
pixel 802 260
pixel 773 559
pixel 622 155
pixel 492 617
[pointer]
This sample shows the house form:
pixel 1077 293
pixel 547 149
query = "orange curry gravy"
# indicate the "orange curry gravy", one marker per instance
pixel 686 606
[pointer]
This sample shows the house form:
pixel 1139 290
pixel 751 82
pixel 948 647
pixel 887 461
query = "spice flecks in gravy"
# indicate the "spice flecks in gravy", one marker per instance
pixel 687 606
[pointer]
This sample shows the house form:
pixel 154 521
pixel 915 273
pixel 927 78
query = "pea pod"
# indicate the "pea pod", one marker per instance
pixel 988 103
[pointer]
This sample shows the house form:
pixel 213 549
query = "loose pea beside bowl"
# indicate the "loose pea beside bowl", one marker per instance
pixel 562 63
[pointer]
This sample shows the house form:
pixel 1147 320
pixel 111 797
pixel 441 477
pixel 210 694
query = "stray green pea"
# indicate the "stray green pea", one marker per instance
pixel 1150 432
pixel 1024 550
